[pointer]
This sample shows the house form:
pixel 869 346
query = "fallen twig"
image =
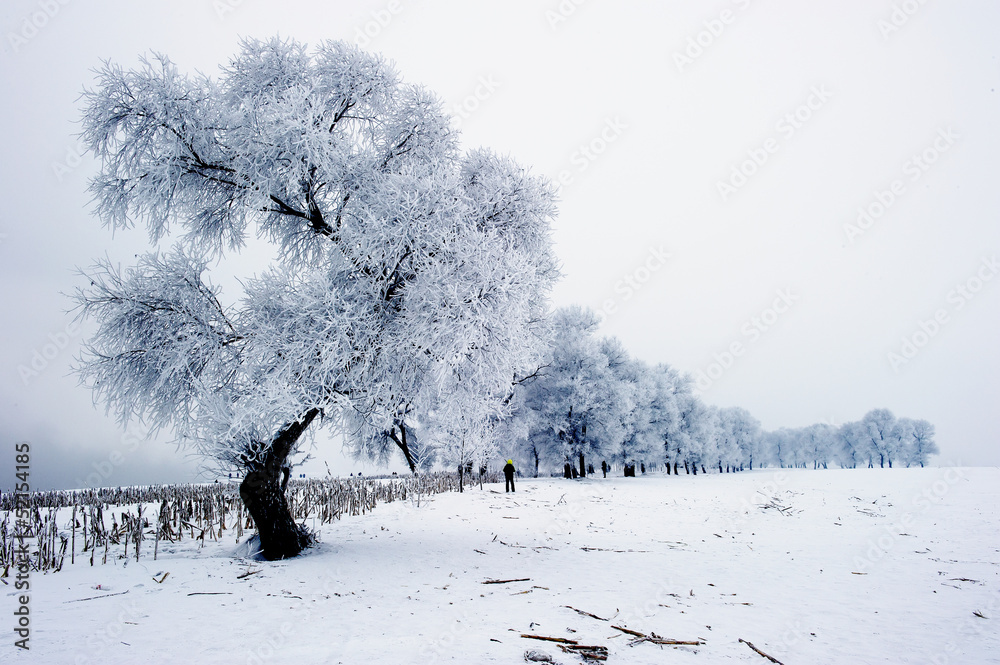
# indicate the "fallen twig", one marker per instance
pixel 586 614
pixel 523 547
pixel 770 658
pixel 211 593
pixel 656 639
pixel 248 574
pixel 522 579
pixel 561 640
pixel 107 595
pixel 629 631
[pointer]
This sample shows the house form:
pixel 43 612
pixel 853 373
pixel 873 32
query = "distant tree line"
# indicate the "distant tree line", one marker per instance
pixel 591 402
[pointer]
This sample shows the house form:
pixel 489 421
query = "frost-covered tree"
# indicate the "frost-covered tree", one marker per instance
pixel 883 434
pixel 851 444
pixel 818 442
pixel 741 438
pixel 776 447
pixel 665 407
pixel 921 444
pixel 580 406
pixel 632 388
pixel 403 266
pixel 694 442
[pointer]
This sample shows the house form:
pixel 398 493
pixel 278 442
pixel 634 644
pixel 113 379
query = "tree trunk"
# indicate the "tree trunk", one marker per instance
pixel 583 469
pixel 675 468
pixel 400 441
pixel 263 494
pixel 686 469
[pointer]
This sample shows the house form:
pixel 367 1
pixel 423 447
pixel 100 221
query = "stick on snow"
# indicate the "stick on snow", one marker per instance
pixel 770 658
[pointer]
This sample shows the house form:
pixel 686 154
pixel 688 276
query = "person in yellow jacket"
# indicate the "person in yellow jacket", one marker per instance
pixel 508 473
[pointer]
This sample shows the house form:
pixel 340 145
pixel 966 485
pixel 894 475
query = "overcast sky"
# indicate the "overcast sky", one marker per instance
pixel 810 185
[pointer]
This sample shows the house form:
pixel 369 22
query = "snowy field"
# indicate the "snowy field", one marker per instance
pixel 839 566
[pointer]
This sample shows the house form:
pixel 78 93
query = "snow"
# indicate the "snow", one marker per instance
pixel 847 566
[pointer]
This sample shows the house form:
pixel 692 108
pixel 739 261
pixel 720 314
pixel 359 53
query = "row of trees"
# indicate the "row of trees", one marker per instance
pixel 592 401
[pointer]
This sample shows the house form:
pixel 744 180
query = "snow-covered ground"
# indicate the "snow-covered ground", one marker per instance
pixel 846 566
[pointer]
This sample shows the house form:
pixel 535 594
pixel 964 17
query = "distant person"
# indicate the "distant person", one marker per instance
pixel 508 473
pixel 604 468
pixel 567 470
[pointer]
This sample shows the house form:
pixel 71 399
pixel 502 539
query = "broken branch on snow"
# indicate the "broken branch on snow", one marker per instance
pixel 522 579
pixel 770 658
pixel 656 639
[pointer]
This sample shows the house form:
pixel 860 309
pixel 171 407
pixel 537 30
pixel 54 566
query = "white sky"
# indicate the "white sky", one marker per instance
pixel 667 133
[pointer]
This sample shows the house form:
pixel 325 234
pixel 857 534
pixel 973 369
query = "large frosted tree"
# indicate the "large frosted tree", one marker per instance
pixel 919 440
pixel 403 267
pixel 882 431
pixel 579 404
